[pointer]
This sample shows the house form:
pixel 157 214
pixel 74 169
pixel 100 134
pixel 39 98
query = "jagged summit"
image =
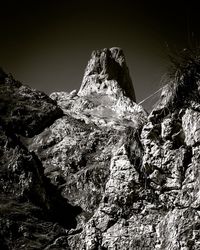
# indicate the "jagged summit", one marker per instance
pixel 106 96
pixel 107 73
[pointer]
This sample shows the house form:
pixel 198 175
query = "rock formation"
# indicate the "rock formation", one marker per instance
pixel 33 214
pixel 107 72
pixel 91 170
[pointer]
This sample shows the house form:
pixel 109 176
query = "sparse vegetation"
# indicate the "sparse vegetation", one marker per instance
pixel 183 77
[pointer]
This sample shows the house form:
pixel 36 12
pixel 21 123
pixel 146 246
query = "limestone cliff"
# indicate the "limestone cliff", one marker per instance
pixel 100 173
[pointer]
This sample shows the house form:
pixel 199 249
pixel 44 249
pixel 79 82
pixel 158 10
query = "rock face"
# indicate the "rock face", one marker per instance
pixel 106 96
pixel 33 214
pixel 101 174
pixel 107 72
pixel 23 108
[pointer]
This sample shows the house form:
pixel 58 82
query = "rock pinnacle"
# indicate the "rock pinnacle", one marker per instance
pixel 107 73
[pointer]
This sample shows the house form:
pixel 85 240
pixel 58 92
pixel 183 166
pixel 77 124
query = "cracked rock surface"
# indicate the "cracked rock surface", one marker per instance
pixel 101 173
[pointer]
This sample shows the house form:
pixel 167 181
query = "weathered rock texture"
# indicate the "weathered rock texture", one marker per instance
pixel 33 214
pixel 107 72
pixel 106 174
pixel 23 108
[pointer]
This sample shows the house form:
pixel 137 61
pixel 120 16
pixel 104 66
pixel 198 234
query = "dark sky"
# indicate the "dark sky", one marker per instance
pixel 46 44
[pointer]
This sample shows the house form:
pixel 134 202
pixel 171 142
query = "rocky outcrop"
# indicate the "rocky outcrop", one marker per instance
pixel 33 214
pixel 106 96
pixel 101 174
pixel 23 108
pixel 107 73
pixel 93 154
pixel 170 161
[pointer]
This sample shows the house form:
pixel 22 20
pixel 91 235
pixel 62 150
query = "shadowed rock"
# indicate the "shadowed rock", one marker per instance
pixel 33 214
pixel 24 110
pixel 136 178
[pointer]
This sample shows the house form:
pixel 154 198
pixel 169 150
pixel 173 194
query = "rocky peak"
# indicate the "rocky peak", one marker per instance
pixel 106 96
pixel 124 180
pixel 107 73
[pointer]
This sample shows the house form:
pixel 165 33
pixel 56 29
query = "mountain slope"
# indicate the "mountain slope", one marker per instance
pixel 33 214
pixel 122 179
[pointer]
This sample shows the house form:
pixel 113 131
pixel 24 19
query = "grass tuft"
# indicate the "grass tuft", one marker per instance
pixel 183 78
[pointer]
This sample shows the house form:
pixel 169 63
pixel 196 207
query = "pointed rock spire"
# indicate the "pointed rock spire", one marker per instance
pixel 107 73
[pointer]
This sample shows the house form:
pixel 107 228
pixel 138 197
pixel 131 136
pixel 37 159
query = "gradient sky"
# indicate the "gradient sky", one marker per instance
pixel 46 44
